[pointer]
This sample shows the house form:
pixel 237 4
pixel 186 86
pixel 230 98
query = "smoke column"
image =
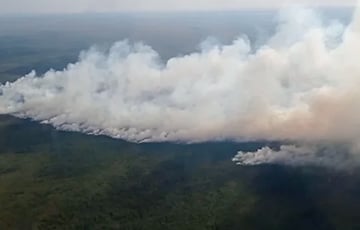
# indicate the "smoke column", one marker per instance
pixel 303 85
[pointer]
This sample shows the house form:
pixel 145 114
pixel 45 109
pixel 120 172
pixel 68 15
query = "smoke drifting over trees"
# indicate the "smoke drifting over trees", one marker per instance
pixel 301 86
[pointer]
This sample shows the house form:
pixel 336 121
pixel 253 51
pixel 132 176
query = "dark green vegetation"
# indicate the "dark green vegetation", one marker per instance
pixel 58 180
pixel 19 56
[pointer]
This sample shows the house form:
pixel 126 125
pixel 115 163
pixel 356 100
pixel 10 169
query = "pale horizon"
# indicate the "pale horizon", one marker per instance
pixel 115 6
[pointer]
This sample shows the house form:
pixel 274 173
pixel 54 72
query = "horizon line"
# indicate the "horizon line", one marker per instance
pixel 165 12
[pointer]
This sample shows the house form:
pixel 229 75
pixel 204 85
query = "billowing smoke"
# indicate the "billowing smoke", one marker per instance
pixel 337 156
pixel 303 85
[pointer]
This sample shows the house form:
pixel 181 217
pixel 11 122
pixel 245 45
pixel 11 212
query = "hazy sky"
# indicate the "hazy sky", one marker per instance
pixel 68 6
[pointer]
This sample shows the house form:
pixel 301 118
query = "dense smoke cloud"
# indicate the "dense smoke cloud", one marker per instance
pixel 300 86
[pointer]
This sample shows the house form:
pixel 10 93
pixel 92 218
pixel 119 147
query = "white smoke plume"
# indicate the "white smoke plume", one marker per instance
pixel 329 156
pixel 303 85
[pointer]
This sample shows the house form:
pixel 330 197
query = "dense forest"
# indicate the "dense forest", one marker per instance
pixel 51 179
pixel 61 180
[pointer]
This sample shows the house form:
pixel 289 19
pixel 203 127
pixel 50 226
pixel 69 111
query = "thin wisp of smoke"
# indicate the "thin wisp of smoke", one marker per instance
pixel 335 156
